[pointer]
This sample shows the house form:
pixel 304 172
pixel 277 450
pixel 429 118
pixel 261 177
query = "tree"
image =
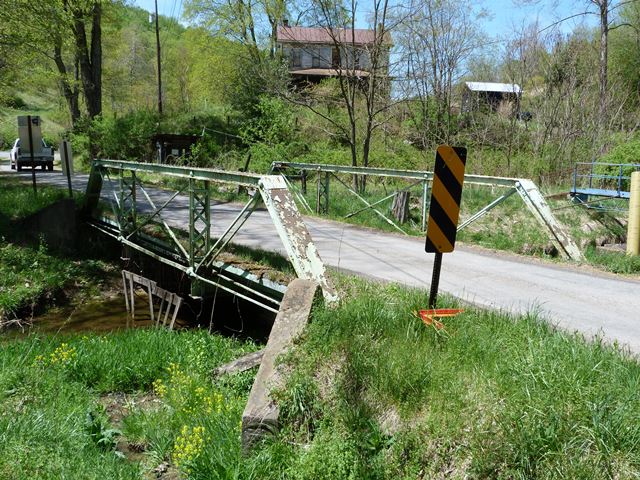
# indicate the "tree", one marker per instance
pixel 253 23
pixel 88 49
pixel 45 27
pixel 437 38
pixel 362 78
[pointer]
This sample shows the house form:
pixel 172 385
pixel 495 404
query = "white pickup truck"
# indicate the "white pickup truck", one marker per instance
pixel 42 157
pixel 21 155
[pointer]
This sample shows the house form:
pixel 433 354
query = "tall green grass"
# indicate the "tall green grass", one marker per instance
pixel 377 394
pixel 372 393
pixel 53 423
pixel 17 200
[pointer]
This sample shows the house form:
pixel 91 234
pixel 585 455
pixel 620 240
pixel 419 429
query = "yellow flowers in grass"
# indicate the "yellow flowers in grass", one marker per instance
pixel 188 445
pixel 63 355
pixel 185 393
pixel 160 388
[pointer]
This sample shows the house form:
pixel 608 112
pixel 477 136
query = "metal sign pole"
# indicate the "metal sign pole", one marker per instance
pixel 33 163
pixel 435 280
pixel 66 164
pixel 444 209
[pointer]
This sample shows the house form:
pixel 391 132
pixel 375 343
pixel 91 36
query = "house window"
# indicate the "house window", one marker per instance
pixel 296 58
pixel 316 58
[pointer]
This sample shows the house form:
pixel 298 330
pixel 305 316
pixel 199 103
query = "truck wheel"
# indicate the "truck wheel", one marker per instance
pixel 44 166
pixel 19 167
pixel 13 166
pixel 50 166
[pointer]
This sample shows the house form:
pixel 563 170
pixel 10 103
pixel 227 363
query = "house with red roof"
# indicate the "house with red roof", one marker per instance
pixel 315 53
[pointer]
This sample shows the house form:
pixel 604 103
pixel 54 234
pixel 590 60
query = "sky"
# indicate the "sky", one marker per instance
pixel 503 15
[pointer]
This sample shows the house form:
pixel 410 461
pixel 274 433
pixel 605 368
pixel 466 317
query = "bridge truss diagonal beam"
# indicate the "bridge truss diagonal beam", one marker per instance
pixel 199 259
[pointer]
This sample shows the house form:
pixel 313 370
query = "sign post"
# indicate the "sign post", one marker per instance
pixel 67 163
pixel 33 163
pixel 444 210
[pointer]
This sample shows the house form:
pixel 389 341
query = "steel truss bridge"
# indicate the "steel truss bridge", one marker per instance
pixel 525 188
pixel 138 222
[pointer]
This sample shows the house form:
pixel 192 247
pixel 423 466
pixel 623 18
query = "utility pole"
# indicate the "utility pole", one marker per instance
pixel 159 67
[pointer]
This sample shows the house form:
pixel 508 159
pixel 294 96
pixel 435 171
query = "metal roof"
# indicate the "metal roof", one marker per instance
pixel 324 35
pixel 494 87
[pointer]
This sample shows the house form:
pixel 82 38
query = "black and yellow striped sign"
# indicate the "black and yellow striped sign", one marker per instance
pixel 448 177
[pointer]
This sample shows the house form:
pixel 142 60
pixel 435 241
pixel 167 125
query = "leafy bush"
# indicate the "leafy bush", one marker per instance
pixel 127 137
pixel 627 152
pixel 12 101
pixel 271 134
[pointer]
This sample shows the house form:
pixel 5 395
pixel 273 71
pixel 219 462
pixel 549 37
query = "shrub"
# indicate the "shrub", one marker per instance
pixel 122 138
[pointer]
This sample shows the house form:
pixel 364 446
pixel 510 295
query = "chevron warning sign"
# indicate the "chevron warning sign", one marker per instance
pixel 448 177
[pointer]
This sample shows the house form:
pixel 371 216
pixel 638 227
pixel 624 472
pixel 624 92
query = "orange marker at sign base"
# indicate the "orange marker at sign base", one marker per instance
pixel 430 316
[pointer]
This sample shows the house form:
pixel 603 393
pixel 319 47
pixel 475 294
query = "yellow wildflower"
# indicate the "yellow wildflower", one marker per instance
pixel 188 445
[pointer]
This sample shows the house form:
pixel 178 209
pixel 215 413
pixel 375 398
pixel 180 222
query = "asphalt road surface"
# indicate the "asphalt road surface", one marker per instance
pixel 572 297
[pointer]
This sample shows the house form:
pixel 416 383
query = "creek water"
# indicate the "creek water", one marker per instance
pixel 95 316
pixel 228 318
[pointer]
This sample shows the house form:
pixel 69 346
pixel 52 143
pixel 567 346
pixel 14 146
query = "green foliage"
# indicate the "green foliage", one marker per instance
pixel 54 425
pixel 124 138
pixel 330 457
pixel 17 202
pixel 258 76
pixel 97 426
pixel 616 262
pixel 271 134
pixel 373 393
pixel 12 101
pixel 491 397
pixel 625 152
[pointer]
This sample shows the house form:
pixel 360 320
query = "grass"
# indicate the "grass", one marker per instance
pixel 31 276
pixel 374 393
pixel 53 420
pixel 41 104
pixel 17 200
pixel 615 262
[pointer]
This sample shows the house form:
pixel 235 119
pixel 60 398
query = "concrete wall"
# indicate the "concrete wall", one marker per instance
pixel 57 224
pixel 261 415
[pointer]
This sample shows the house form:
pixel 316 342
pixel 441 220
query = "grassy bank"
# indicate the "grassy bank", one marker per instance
pixel 31 276
pixel 377 394
pixel 373 393
pixel 60 417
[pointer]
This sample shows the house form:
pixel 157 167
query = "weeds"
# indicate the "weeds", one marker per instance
pixel 53 426
pixel 498 397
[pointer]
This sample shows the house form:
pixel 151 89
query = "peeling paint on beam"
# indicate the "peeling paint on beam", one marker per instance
pixel 293 232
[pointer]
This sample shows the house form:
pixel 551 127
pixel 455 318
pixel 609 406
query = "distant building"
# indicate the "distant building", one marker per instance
pixel 171 147
pixel 317 53
pixel 494 96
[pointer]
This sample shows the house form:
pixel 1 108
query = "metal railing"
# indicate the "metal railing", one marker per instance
pixel 602 179
pixel 194 252
pixel 526 189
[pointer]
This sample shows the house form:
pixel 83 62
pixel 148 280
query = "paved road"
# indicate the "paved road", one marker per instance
pixel 571 297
